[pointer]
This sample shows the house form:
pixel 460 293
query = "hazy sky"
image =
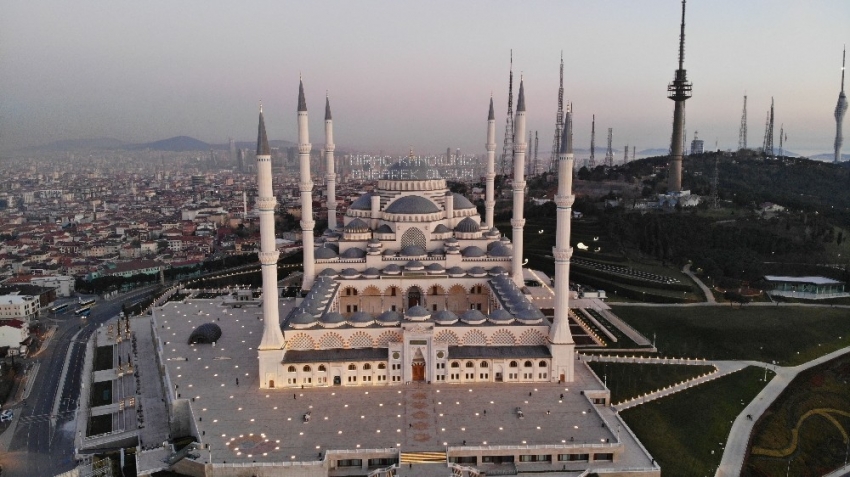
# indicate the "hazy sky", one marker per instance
pixel 419 73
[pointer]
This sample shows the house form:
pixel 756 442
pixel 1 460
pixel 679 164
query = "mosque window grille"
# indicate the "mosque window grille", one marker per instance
pixel 413 236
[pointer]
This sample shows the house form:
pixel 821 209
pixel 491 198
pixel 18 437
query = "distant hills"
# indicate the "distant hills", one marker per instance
pixel 174 144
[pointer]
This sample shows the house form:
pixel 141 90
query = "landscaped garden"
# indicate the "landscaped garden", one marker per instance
pixel 627 381
pixel 789 335
pixel 686 432
pixel 805 431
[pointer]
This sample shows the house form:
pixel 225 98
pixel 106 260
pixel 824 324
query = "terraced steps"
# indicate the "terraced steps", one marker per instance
pixel 423 457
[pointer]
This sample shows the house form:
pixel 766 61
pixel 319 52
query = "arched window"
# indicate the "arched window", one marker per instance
pixel 291 369
pixel 542 364
pixel 527 364
pixel 434 290
pixel 513 364
pixel 307 368
pixel 352 367
pixel 455 364
pixel 322 368
pixel 470 364
pixel 484 364
pixel 382 366
pixel 367 367
pixel 392 291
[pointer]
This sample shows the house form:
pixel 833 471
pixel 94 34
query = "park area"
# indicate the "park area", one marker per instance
pixel 787 334
pixel 627 381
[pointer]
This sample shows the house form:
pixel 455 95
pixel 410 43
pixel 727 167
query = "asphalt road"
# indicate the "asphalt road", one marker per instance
pixel 43 443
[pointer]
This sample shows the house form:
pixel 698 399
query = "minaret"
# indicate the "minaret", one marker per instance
pixel 840 109
pixel 679 91
pixel 272 343
pixel 329 165
pixel 559 121
pixel 489 199
pixel 560 342
pixel 518 222
pixel 306 187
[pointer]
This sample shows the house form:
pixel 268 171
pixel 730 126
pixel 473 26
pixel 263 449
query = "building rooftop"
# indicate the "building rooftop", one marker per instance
pixel 811 280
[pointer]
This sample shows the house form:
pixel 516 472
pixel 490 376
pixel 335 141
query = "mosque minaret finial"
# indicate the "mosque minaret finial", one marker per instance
pixel 518 220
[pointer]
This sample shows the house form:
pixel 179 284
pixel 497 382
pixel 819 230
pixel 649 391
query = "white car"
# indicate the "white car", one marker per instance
pixel 6 415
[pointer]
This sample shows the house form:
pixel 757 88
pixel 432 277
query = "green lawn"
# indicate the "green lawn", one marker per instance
pixel 685 432
pixel 627 381
pixel 790 335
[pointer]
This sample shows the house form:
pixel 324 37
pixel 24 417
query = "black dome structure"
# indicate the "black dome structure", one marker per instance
pixel 207 333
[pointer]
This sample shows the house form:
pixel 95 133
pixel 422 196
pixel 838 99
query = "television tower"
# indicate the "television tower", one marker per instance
pixel 714 193
pixel 559 119
pixel 626 155
pixel 609 154
pixel 742 132
pixel 840 109
pixel 781 133
pixel 679 91
pixel 768 134
pixel 592 162
pixel 508 147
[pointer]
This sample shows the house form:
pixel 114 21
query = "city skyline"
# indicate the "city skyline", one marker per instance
pixel 410 75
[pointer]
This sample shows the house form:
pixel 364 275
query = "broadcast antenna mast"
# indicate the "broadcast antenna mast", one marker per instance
pixel 714 197
pixel 742 132
pixel 609 154
pixel 592 163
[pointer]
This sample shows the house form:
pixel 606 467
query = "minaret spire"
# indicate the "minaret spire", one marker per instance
pixel 679 91
pixel 840 110
pixel 507 148
pixel 330 176
pixel 489 198
pixel 272 339
pixel 559 119
pixel 518 220
pixel 306 188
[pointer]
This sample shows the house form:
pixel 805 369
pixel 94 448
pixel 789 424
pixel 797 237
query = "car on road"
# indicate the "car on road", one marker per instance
pixel 6 415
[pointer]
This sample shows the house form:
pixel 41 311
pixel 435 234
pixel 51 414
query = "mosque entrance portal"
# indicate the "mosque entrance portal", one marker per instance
pixel 417 367
pixel 414 297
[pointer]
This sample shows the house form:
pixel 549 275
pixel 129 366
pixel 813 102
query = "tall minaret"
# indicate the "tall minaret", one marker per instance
pixel 329 165
pixel 840 109
pixel 561 343
pixel 272 342
pixel 489 199
pixel 306 187
pixel 679 91
pixel 518 222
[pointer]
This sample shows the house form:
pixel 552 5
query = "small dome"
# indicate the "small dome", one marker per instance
pixel 384 229
pixel 501 317
pixel 505 240
pixel 456 272
pixel 461 202
pixel 364 202
pixel 473 251
pixel 329 272
pixel 498 270
pixel 360 319
pixel 444 317
pixel 414 265
pixel 477 271
pixel 392 269
pixel 438 251
pixel 371 272
pixel 356 226
pixel 468 225
pixel 412 251
pixel 389 318
pixel 324 253
pixel 451 241
pixel 332 245
pixel 373 241
pixel 332 320
pixel 493 232
pixel 350 273
pixel 499 250
pixel 353 252
pixel 473 317
pixel 205 334
pixel 389 253
pixel 302 320
pixel 435 268
pixel 530 317
pixel 441 229
pixel 412 204
pixel 417 313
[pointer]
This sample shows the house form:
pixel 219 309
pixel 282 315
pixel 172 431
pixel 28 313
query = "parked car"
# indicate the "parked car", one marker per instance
pixel 6 415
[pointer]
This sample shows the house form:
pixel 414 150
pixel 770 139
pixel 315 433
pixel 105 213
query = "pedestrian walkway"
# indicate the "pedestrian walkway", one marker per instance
pixel 151 394
pixel 742 428
pixel 709 296
pixel 621 325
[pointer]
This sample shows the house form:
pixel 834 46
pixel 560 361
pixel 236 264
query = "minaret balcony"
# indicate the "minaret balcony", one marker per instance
pixel 564 201
pixel 305 148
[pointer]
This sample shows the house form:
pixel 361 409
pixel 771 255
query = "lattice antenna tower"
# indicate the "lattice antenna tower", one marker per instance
pixel 559 119
pixel 609 154
pixel 634 150
pixel 508 147
pixel 626 155
pixel 742 131
pixel 766 128
pixel 781 133
pixel 592 162
pixel 714 195
pixel 530 163
pixel 768 141
pixel 536 142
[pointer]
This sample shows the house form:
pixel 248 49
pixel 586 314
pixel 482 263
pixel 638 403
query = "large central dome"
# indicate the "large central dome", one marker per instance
pixel 412 204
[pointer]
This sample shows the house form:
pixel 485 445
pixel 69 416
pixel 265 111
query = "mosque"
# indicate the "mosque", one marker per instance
pixel 414 285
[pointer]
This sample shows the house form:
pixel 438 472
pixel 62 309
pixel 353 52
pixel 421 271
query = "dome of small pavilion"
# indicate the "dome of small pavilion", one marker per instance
pixel 444 317
pixel 332 320
pixel 468 225
pixel 389 318
pixel 356 226
pixel 473 251
pixel 473 317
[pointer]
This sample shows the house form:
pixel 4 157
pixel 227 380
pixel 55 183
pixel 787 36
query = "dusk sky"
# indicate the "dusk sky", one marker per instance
pixel 415 74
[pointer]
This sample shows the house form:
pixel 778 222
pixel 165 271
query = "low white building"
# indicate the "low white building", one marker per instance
pixel 18 307
pixel 63 284
pixel 13 333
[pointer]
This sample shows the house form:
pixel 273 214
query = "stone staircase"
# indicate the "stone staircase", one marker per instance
pixel 438 457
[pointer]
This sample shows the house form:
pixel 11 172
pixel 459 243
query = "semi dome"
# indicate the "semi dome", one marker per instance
pixel 384 229
pixel 412 204
pixel 302 320
pixel 468 225
pixel 417 313
pixel 461 202
pixel 444 317
pixel 324 253
pixel 356 226
pixel 364 202
pixel 500 317
pixel 205 334
pixel 353 252
pixel 389 318
pixel 473 251
pixel 332 320
pixel 473 317
pixel 412 251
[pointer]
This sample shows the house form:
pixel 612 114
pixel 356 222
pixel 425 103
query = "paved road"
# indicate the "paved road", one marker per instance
pixel 709 296
pixel 42 443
